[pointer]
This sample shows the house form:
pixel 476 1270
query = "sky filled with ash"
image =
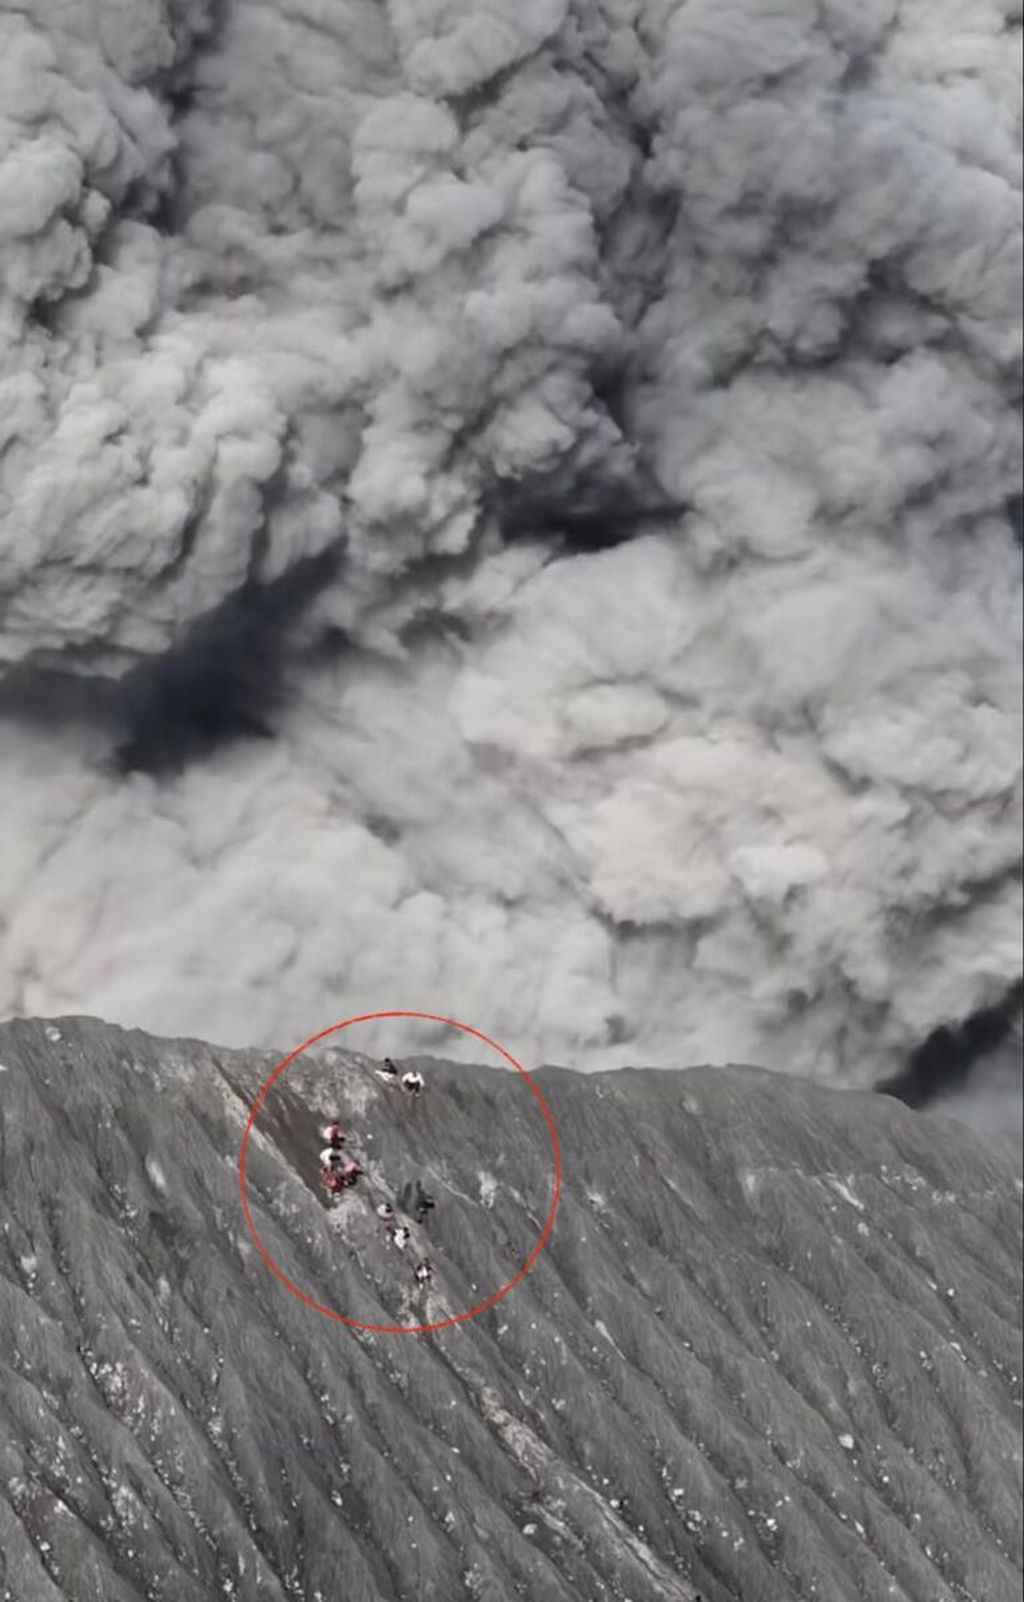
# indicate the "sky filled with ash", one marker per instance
pixel 513 511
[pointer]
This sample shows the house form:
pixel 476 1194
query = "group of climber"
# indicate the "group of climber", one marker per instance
pixel 400 1236
pixel 339 1172
pixel 411 1082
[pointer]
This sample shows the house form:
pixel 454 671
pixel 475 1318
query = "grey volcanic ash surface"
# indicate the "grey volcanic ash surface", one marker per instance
pixel 770 1352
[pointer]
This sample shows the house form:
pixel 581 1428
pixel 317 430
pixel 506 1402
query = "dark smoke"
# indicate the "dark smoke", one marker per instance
pixel 950 1056
pixel 225 683
pixel 596 520
pixel 590 528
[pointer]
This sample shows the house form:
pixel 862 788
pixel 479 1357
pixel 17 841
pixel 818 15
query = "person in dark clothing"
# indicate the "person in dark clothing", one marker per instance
pixel 415 1201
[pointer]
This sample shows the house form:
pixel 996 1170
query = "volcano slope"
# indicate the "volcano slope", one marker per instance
pixel 770 1351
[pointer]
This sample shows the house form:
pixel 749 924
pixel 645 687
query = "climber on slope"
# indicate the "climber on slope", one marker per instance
pixel 332 1181
pixel 416 1201
pixel 331 1156
pixel 412 1083
pixel 336 1174
pixel 340 1177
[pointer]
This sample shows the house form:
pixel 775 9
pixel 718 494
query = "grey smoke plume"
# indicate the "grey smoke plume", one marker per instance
pixel 581 440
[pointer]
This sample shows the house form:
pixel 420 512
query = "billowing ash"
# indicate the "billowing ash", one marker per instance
pixel 513 510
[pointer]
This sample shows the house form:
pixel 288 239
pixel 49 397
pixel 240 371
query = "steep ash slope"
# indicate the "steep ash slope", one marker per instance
pixel 770 1352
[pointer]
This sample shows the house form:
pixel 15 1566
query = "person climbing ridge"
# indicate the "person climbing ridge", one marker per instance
pixel 415 1201
pixel 336 1174
pixel 386 1213
pixel 389 1072
pixel 332 1154
pixel 412 1083
pixel 424 1271
pixel 401 1236
pixel 332 1181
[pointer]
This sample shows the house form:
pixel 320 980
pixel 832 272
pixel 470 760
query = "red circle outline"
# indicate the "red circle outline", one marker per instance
pixel 399 1329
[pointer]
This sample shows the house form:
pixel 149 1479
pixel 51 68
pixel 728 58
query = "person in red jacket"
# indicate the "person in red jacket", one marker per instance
pixel 332 1181
pixel 339 1178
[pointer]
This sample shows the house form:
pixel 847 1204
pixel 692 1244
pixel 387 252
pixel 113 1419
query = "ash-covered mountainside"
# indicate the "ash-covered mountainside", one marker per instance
pixel 771 1350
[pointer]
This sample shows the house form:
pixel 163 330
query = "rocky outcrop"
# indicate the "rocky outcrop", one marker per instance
pixel 770 1351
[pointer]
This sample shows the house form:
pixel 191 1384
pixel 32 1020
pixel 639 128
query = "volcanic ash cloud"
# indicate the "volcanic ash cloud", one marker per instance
pixel 317 325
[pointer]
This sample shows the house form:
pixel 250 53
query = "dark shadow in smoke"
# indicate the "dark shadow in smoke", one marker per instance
pixel 580 523
pixel 224 682
pixel 947 1059
pixel 591 502
pixel 46 698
